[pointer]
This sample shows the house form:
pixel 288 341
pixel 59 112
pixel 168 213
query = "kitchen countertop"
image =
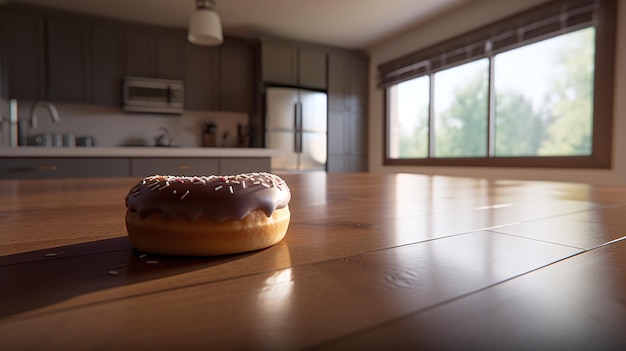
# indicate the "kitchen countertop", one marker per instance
pixel 370 262
pixel 132 151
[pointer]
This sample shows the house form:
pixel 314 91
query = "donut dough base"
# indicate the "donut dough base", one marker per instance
pixel 204 237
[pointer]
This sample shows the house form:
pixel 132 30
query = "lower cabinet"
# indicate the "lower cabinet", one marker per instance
pixel 52 167
pixel 142 167
pixel 229 166
pixel 78 167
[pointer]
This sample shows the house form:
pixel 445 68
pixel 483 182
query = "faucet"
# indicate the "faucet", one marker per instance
pixel 19 128
pixel 51 108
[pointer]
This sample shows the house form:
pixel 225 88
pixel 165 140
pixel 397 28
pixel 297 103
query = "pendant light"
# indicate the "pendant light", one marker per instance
pixel 205 26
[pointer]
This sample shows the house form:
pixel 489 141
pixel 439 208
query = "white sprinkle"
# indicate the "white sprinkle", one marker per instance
pixel 219 187
pixel 114 272
pixel 243 184
pixel 152 262
pixel 174 192
pixel 185 194
pixel 230 188
pixel 142 255
pixel 52 254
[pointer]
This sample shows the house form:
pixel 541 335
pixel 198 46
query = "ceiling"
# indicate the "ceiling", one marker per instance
pixel 353 24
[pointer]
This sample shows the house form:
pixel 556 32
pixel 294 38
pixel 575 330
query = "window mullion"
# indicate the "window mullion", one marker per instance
pixel 431 116
pixel 491 110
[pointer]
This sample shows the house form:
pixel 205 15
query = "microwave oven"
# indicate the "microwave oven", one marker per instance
pixel 153 95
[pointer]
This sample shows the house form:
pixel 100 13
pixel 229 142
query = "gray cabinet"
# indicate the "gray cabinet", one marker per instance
pixel 347 113
pixel 94 167
pixel 59 167
pixel 73 58
pixel 170 56
pixel 230 166
pixel 23 73
pixel 312 68
pixel 201 78
pixel 221 78
pixel 142 167
pixel 68 61
pixel 237 91
pixel 151 53
pixel 107 64
pixel 293 64
pixel 140 53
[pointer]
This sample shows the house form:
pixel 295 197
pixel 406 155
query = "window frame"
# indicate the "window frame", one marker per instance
pixel 601 149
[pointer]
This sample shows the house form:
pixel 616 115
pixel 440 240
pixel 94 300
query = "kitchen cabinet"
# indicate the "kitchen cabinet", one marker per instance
pixel 107 64
pixel 201 78
pixel 151 53
pixel 39 167
pixel 73 58
pixel 237 76
pixel 293 64
pixel 68 61
pixel 23 74
pixel 142 167
pixel 230 166
pixel 59 167
pixel 347 113
pixel 140 52
pixel 170 55
pixel 221 78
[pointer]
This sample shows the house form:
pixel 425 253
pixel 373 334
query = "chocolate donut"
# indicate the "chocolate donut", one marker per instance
pixel 207 215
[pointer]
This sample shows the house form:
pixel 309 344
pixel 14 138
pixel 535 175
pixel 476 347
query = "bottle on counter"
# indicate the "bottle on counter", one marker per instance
pixel 209 135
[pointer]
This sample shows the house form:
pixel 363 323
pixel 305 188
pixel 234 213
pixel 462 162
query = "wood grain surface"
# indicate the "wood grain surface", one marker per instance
pixel 370 261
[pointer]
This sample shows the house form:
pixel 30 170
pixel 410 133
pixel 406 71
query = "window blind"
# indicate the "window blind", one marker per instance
pixel 545 21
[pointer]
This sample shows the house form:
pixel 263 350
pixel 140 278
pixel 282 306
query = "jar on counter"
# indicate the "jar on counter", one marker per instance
pixel 69 140
pixel 86 141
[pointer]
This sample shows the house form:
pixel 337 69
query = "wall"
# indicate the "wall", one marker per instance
pixel 468 17
pixel 110 126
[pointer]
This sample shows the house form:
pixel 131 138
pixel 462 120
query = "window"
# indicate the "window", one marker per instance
pixel 534 90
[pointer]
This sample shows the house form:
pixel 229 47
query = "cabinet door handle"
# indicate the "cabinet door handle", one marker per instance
pixel 47 168
pixel 184 167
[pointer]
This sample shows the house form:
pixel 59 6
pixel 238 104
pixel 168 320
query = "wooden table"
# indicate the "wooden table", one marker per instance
pixel 369 262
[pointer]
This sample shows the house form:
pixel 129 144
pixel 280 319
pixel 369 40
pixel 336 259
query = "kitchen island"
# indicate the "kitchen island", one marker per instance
pixel 370 262
pixel 90 162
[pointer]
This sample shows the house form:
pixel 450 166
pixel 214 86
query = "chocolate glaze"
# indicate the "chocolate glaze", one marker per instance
pixel 216 197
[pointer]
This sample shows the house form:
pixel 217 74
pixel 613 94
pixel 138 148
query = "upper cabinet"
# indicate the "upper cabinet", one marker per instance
pixel 23 73
pixel 293 64
pixel 201 77
pixel 72 58
pixel 237 76
pixel 221 77
pixel 107 64
pixel 68 61
pixel 150 53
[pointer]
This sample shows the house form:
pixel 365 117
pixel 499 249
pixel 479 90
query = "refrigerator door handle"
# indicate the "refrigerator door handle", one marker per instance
pixel 295 116
pixel 298 141
pixel 298 115
pixel 297 127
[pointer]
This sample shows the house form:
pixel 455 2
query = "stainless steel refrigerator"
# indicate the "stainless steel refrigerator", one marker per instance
pixel 296 123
